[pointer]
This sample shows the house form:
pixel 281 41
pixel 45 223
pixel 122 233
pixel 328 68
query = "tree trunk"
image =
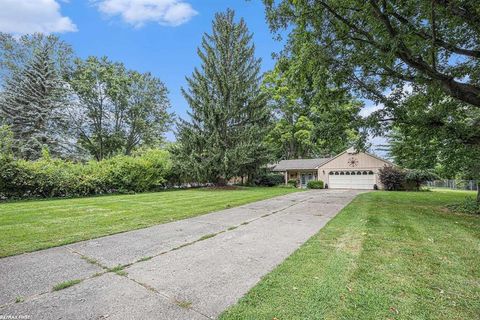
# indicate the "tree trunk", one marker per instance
pixel 478 192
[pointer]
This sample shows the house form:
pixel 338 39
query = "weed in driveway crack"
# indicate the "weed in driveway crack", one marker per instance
pixel 119 269
pixel 144 259
pixel 183 303
pixel 91 261
pixel 207 236
pixel 66 284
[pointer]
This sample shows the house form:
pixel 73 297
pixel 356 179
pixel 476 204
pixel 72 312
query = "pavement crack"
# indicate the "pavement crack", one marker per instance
pixel 169 299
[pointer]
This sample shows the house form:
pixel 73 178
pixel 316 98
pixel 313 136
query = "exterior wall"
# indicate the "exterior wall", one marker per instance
pixel 345 162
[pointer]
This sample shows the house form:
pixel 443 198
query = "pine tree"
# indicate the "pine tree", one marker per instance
pixel 32 101
pixel 229 116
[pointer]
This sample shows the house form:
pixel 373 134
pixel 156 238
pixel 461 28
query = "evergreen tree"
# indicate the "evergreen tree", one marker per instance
pixel 33 100
pixel 229 115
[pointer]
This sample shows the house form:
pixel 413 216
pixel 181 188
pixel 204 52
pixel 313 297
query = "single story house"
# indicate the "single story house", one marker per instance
pixel 348 170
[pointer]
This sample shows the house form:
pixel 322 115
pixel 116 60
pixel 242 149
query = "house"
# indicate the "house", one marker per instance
pixel 348 170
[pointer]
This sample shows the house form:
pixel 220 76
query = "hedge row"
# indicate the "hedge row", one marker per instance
pixel 48 177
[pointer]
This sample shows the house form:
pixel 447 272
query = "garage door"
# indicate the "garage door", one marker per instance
pixel 351 180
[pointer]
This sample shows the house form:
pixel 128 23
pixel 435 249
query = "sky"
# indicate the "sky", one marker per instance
pixel 158 36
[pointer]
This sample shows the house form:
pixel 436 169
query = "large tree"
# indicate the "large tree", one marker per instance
pixel 228 117
pixel 34 95
pixel 117 110
pixel 312 117
pixel 432 130
pixel 375 45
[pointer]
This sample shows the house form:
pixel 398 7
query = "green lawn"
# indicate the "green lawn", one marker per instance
pixel 33 225
pixel 388 255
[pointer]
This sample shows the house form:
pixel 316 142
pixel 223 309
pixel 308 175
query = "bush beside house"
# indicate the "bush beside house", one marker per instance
pixel 315 184
pixel 292 182
pixel 395 179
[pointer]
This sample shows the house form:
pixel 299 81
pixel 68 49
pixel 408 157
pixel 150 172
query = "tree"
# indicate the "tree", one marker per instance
pixel 432 130
pixel 34 94
pixel 372 46
pixel 313 116
pixel 229 117
pixel 117 110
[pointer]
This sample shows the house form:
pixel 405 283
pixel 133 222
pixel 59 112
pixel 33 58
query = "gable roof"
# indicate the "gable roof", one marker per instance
pixel 300 164
pixel 351 150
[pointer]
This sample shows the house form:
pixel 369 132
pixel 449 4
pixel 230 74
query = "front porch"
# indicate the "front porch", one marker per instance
pixel 301 176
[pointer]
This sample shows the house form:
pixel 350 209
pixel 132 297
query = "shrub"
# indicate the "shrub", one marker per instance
pixel 270 180
pixel 469 205
pixel 292 182
pixel 59 178
pixel 315 184
pixel 392 178
pixel 415 178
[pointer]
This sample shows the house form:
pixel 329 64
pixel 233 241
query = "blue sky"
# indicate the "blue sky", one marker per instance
pixel 159 36
pixel 169 52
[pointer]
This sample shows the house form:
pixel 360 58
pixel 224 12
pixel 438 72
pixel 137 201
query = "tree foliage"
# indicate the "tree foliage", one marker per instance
pixel 432 130
pixel 117 109
pixel 34 94
pixel 372 46
pixel 312 117
pixel 228 113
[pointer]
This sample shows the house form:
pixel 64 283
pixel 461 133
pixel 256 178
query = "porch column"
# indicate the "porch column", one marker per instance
pixel 286 177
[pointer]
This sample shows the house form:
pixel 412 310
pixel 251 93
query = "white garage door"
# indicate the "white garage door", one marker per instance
pixel 351 180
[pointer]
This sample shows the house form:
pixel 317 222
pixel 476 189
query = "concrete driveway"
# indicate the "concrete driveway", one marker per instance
pixel 189 269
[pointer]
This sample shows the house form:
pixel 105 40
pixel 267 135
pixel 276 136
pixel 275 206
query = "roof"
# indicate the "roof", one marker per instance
pixel 300 164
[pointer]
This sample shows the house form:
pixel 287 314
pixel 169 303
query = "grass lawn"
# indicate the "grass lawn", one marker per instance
pixel 33 225
pixel 388 255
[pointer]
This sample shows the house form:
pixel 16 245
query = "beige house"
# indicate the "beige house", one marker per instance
pixel 348 170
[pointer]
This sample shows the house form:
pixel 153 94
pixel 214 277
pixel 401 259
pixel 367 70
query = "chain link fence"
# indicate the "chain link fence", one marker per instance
pixel 454 184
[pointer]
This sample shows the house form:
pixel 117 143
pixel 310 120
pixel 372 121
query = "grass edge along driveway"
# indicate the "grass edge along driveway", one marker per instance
pixel 31 225
pixel 387 255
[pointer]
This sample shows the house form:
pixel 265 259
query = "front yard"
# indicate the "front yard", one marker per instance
pixel 32 225
pixel 388 255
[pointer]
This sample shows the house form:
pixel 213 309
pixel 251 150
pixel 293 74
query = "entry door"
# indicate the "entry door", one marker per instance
pixel 351 180
pixel 305 177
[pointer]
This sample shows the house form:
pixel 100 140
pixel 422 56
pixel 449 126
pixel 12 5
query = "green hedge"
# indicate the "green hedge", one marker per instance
pixel 315 184
pixel 59 178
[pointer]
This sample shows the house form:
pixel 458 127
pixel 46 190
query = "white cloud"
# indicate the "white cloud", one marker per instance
pixel 139 12
pixel 28 16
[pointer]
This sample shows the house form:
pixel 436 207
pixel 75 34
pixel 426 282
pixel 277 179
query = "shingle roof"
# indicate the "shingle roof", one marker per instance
pixel 301 164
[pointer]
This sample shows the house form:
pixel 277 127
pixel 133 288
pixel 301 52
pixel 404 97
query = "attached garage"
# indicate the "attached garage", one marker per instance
pixel 351 180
